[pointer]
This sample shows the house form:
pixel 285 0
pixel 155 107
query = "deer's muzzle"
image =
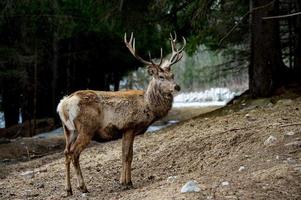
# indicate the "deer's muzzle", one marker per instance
pixel 177 88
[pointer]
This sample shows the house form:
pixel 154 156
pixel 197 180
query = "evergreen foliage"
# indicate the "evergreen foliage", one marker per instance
pixel 50 48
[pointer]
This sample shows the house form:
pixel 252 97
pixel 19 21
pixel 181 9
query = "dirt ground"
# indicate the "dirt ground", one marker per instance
pixel 226 152
pixel 27 148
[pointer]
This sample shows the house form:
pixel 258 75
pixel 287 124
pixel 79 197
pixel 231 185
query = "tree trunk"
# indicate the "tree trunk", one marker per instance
pixel 54 62
pixel 10 102
pixel 54 72
pixel 297 55
pixel 121 5
pixel 68 71
pixel 116 81
pixel 266 63
pixel 35 90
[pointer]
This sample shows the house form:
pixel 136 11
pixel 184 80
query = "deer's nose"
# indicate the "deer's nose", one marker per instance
pixel 177 88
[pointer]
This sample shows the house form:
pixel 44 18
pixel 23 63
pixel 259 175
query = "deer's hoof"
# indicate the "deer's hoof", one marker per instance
pixel 127 186
pixel 69 192
pixel 123 182
pixel 83 189
pixel 66 152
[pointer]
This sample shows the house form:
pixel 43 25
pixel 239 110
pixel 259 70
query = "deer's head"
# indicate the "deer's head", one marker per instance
pixel 160 71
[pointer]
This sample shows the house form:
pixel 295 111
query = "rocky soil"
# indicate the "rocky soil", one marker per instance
pixel 249 150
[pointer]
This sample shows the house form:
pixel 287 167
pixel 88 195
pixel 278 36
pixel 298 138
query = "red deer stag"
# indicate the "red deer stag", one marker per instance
pixel 88 113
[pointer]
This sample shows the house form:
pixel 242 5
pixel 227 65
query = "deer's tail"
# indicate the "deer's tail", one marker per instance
pixel 68 110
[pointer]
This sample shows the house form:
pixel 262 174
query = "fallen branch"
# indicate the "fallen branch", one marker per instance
pixel 282 16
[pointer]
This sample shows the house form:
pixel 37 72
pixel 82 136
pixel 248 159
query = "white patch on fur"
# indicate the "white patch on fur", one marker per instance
pixel 70 104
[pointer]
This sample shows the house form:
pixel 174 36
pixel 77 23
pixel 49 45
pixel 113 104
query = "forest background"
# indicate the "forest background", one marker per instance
pixel 50 48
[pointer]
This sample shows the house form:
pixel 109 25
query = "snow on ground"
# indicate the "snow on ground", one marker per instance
pixel 198 104
pixel 2 122
pixel 154 128
pixel 211 97
pixel 53 133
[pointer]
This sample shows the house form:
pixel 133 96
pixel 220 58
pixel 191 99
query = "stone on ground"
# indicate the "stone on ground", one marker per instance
pixel 190 186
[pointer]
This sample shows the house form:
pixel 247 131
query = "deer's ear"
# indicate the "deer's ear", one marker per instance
pixel 152 70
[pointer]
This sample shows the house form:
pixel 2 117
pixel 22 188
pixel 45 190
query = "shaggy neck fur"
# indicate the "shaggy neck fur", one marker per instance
pixel 159 103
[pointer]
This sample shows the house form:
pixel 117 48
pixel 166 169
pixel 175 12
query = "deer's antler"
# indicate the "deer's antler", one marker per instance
pixel 131 46
pixel 177 54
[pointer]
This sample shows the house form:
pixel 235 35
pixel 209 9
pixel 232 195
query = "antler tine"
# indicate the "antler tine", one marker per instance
pixel 161 57
pixel 124 38
pixel 149 55
pixel 150 58
pixel 131 46
pixel 128 43
pixel 171 37
pixel 184 44
pixel 177 54
pixel 178 57
pixel 174 58
pixel 173 42
pixel 134 44
pixel 131 38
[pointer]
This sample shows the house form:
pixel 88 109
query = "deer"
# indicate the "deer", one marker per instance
pixel 106 114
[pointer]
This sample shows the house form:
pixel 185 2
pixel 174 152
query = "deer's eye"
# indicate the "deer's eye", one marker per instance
pixel 161 78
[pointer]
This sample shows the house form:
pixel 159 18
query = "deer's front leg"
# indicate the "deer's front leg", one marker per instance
pixel 127 157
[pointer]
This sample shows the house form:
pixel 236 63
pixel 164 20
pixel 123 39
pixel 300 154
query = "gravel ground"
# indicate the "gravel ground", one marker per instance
pixel 253 152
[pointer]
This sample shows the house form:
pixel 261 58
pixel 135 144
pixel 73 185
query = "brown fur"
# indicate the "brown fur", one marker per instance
pixel 86 114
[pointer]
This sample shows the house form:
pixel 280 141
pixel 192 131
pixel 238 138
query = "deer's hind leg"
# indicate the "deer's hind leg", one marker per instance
pixel 81 142
pixel 68 187
pixel 67 167
pixel 70 137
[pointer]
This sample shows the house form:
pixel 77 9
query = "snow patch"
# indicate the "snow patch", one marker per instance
pixel 154 128
pixel 2 122
pixel 54 133
pixel 211 97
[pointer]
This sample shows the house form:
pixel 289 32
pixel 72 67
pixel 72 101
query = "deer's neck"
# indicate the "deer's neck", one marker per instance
pixel 158 102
